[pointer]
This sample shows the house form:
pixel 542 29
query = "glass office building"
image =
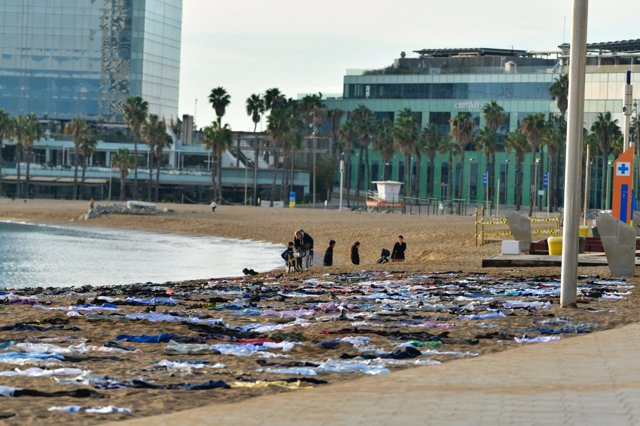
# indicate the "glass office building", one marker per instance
pixel 438 84
pixel 64 58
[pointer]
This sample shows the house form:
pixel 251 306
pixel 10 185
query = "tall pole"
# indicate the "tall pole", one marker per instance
pixel 314 169
pixel 341 180
pixel 626 109
pixel 586 188
pixel 573 169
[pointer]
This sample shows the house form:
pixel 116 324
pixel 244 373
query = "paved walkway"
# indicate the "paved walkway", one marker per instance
pixel 586 380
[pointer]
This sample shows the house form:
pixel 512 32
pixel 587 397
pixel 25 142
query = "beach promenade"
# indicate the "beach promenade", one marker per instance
pixel 592 379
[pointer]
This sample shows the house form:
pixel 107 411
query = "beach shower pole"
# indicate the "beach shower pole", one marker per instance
pixel 573 169
pixel 586 189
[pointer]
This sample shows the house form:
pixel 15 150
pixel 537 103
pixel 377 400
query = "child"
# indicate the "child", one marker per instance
pixel 397 255
pixel 328 254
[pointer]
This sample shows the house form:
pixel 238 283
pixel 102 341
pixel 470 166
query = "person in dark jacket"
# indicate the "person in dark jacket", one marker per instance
pixel 397 255
pixel 303 243
pixel 328 254
pixel 355 255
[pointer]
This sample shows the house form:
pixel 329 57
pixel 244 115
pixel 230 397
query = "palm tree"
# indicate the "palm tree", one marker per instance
pixel 27 130
pixel 123 161
pixel 406 132
pixel 605 131
pixel 217 138
pixel 273 98
pixel 347 135
pixel 364 121
pixel 383 143
pixel 313 114
pixel 153 132
pixel 219 100
pixel 334 116
pixel 495 117
pixel 164 141
pixel 452 149
pixel 559 91
pixel 285 128
pixel 487 139
pixel 78 128
pixel 517 142
pixel 86 150
pixel 6 124
pixel 462 131
pixel 433 138
pixel 554 139
pixel 533 126
pixel 255 110
pixel 135 114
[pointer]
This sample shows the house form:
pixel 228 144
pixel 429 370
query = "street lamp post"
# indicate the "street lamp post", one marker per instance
pixel 607 205
pixel 506 179
pixel 535 184
pixel 469 182
pixel 341 179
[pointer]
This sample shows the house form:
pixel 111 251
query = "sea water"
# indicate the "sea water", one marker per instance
pixel 33 255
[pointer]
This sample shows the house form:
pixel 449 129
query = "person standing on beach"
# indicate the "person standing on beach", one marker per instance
pixel 213 206
pixel 328 254
pixel 355 255
pixel 303 242
pixel 397 255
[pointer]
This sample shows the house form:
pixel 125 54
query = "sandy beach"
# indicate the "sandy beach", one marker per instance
pixel 326 313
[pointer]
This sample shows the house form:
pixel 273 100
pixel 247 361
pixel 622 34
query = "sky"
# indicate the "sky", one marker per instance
pixel 302 47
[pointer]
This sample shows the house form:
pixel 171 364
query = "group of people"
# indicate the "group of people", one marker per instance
pixel 299 253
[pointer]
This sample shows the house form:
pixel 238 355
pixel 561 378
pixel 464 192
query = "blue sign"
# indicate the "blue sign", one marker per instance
pixel 485 178
pixel 545 180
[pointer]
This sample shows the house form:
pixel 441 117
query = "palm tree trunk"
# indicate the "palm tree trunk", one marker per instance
pixel 135 166
pixel 84 170
pixel 75 175
pixel 459 189
pixel 518 195
pixel 407 176
pixel 157 179
pixel 358 172
pixel 532 179
pixel 219 179
pixel 416 184
pixel 123 184
pixel 18 167
pixel 275 175
pixel 214 188
pixel 26 190
pixel 432 174
pixel 151 158
pixel 367 176
pixel 255 169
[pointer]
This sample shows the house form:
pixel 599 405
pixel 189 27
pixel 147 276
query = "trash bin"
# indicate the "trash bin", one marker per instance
pixel 555 246
pixel 582 243
pixel 584 231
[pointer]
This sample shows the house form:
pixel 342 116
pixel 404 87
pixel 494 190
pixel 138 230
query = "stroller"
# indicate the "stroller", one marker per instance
pixel 384 256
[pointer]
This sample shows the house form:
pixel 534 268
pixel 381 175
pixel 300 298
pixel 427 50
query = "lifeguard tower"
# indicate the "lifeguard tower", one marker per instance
pixel 387 195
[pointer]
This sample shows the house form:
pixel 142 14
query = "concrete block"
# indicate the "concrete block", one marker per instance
pixel 619 242
pixel 510 247
pixel 520 229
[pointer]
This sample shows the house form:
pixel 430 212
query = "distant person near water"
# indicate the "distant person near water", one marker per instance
pixel 397 255
pixel 328 254
pixel 303 243
pixel 355 255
